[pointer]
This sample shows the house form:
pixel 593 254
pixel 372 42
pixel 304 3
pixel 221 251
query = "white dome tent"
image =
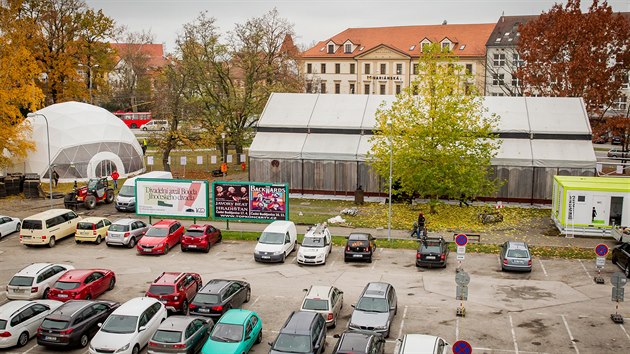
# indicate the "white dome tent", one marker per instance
pixel 85 142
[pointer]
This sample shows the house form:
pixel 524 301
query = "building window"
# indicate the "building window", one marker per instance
pixel 337 68
pixel 415 69
pixel 621 103
pixel 337 88
pixel 516 60
pixel 309 87
pixel 323 87
pixel 383 68
pixel 425 46
pixel 309 68
pixel 348 48
pixel 446 45
pixel 469 68
pixel 397 89
pixel 367 69
pixel 351 68
pixel 516 82
pixel 366 89
pixel 497 94
pixel 382 89
pixel 499 59
pixel 323 70
pixel 398 69
pixel 624 81
pixel 352 89
pixel 497 79
pixel 331 49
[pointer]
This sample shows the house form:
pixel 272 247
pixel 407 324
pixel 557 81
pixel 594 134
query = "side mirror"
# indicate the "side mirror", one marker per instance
pixel 270 343
pixel 142 328
pixel 287 241
pixel 353 305
pixel 304 289
pixel 336 336
pixel 99 325
pixel 258 238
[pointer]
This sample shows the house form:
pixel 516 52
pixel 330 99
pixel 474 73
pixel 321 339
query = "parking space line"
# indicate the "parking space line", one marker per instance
pixel 332 265
pixel 513 334
pixel 254 303
pixel 402 323
pixel 457 328
pixel 566 325
pixel 542 266
pixel 31 348
pixel 373 263
pixel 624 330
pixel 586 271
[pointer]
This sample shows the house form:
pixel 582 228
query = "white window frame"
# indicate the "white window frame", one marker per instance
pixel 498 59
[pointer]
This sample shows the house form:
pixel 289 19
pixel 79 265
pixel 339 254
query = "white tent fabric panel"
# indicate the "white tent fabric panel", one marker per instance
pixel 557 115
pixel 336 111
pixel 512 112
pixel 331 147
pixel 288 110
pixel 365 145
pixel 563 153
pixel 374 102
pixel 277 145
pixel 514 152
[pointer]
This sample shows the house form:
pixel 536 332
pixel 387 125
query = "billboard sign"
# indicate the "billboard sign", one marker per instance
pixel 172 197
pixel 250 201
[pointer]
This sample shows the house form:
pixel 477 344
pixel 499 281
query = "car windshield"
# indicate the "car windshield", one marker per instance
pixel 293 343
pixel 194 233
pixel 161 289
pixel 167 336
pixel 119 228
pixel 120 324
pixel 315 304
pixel 225 332
pixel 66 285
pixel 32 224
pixel 54 324
pixel 21 281
pixel 3 324
pixel 92 183
pixel 127 191
pixel 313 242
pixel 157 232
pixel 372 304
pixel 271 238
pixel 85 226
pixel 206 298
pixel 518 253
pixel 430 247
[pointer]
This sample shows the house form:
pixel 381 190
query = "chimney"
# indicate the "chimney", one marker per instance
pixel 444 22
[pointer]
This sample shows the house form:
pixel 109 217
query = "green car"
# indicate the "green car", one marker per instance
pixel 236 332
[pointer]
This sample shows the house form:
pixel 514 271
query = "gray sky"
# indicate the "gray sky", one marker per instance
pixel 316 20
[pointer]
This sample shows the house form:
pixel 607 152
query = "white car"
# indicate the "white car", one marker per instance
pixel 126 232
pixel 276 242
pixel 316 246
pixel 19 320
pixel 9 225
pixel 423 343
pixel 130 327
pixel 34 281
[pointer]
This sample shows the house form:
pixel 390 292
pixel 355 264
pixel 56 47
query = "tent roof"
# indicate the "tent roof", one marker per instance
pixel 563 153
pixel 284 110
pixel 514 152
pixel 277 145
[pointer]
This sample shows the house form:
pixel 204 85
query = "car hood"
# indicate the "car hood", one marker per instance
pixel 369 319
pixel 151 241
pixel 311 251
pixel 265 247
pixel 212 346
pixel 113 341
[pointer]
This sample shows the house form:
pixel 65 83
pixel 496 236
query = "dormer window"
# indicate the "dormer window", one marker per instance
pixel 331 49
pixel 446 46
pixel 347 48
pixel 424 45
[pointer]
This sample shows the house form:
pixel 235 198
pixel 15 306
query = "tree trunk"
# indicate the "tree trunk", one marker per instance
pixel 165 156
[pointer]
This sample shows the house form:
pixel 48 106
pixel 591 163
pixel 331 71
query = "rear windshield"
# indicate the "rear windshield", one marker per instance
pixel 430 247
pixel 21 281
pixel 127 191
pixel 194 233
pixel 161 289
pixel 518 254
pixel 32 224
pixel 66 285
pixel 54 324
pixel 167 336
pixel 119 228
pixel 157 232
pixel 315 304
pixel 358 243
pixel 85 226
pixel 206 298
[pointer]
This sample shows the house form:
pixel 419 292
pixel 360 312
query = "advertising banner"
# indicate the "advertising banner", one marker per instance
pixel 172 197
pixel 250 201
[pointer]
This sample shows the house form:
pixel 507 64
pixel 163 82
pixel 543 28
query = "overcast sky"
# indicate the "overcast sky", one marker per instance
pixel 316 20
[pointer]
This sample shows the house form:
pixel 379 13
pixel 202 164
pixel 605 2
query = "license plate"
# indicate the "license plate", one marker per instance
pixel 19 290
pixel 357 255
pixel 192 246
pixel 63 295
pixel 430 257
pixel 147 249
pixel 50 338
pixel 266 257
pixel 204 310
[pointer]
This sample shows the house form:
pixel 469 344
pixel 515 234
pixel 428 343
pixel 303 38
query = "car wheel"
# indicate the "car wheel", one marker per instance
pixel 284 256
pixel 248 295
pixel 132 242
pixel 98 240
pixel 334 324
pixel 22 339
pixel 162 129
pixel 182 248
pixel 90 202
pixel 77 241
pixel 166 249
pixel 134 126
pixel 144 128
pixel 135 349
pixel 220 238
pixel 112 283
pixel 259 338
pixel 370 259
pixel 109 196
pixel 207 248
pixel 185 308
pixel 83 341
pixel 88 297
pixel 45 296
pixel 627 272
pixel 51 243
pixel 17 228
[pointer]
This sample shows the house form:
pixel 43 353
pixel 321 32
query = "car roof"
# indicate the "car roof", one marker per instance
pixel 10 307
pixel 319 292
pixel 164 223
pixel 355 341
pixel 168 278
pixel 70 308
pixel 417 342
pixel 48 213
pixel 517 245
pixel 235 316
pixel 126 221
pixel 376 289
pixel 135 306
pixel 279 225
pixel 78 274
pixel 33 269
pixel 214 286
pixel 93 219
pixel 359 236
pixel 197 227
pixel 299 322
pixel 176 322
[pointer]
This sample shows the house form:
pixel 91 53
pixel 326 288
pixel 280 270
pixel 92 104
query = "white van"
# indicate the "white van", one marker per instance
pixel 155 124
pixel 49 226
pixel 126 198
pixel 277 241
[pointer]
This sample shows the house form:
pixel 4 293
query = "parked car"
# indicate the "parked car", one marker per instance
pixel 621 257
pixel 49 226
pixel 74 323
pixel 600 139
pixel 236 332
pixel 200 237
pixel 360 246
pixel 515 256
pixel 423 343
pixel 126 232
pixel 128 329
pixel 316 246
pixel 219 296
pixel 35 280
pixel 9 225
pixel 375 309
pixel 175 290
pixel 303 332
pixel 155 124
pixel 276 242
pixel 616 140
pixel 359 342
pixel 432 252
pixel 92 229
pixel 618 154
pixel 161 237
pixel 327 300
pixel 20 319
pixel 180 334
pixel 77 284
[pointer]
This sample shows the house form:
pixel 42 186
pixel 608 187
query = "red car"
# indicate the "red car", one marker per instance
pixel 175 290
pixel 161 237
pixel 82 284
pixel 200 237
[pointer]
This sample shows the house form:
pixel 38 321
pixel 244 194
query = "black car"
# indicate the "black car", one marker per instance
pixel 303 332
pixel 360 246
pixel 74 323
pixel 621 257
pixel 359 342
pixel 432 252
pixel 218 296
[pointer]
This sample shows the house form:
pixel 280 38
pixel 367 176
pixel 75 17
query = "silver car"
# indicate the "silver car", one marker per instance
pixel 180 334
pixel 375 310
pixel 326 300
pixel 126 232
pixel 515 256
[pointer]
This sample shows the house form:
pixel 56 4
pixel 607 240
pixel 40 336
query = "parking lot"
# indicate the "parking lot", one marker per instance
pixel 555 309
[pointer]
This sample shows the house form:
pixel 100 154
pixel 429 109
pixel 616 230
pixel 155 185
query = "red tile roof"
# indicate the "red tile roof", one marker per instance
pixel 155 52
pixel 401 38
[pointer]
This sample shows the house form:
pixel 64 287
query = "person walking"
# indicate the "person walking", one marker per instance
pixel 421 226
pixel 55 177
pixel 115 176
pixel 144 146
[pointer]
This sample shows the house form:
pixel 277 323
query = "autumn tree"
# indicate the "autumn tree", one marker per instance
pixel 441 138
pixel 568 53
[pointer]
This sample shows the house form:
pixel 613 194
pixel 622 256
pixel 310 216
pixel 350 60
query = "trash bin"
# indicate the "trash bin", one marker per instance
pixel 358 196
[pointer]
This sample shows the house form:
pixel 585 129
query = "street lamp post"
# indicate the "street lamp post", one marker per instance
pixel 33 115
pixel 389 215
pixel 90 80
pixel 223 150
